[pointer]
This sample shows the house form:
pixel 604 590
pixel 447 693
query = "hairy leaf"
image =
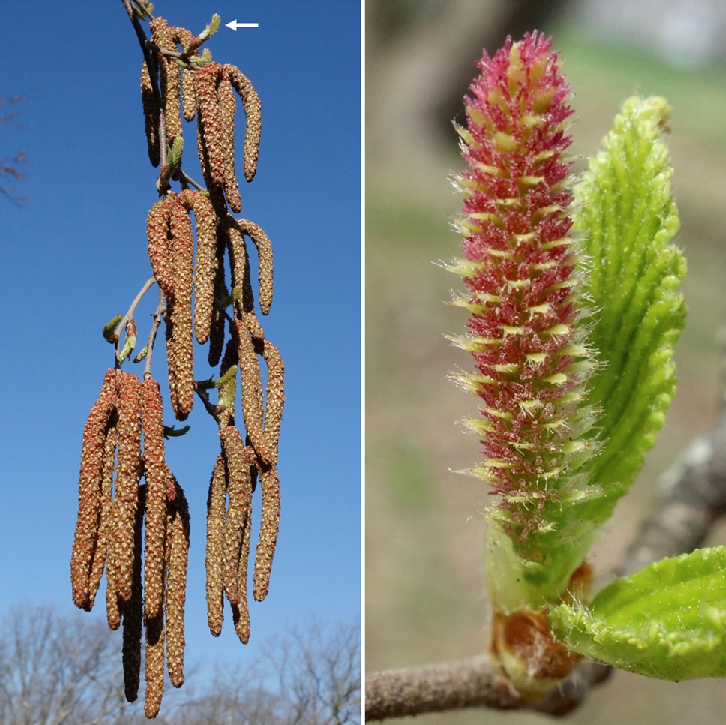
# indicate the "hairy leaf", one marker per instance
pixel 667 621
pixel 628 218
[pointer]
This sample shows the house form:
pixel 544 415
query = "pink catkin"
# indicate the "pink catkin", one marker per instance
pixel 520 268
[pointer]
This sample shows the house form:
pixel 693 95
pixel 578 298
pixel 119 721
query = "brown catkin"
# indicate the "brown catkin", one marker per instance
pixel 238 512
pixel 241 616
pixel 239 262
pixel 189 96
pixel 151 116
pixel 181 359
pixel 266 266
pixel 252 407
pixel 89 490
pixel 206 260
pixel 216 194
pixel 275 393
pixel 178 551
pixel 205 85
pixel 157 232
pixel 253 113
pixel 154 669
pixel 218 322
pixel 216 505
pixel 155 471
pixel 127 481
pixel 269 527
pixel 133 611
pixel 227 108
pixel 170 79
pixel 105 529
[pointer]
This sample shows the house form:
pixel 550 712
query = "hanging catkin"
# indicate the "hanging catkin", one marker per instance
pixel 169 78
pixel 227 108
pixel 266 265
pixel 155 472
pixel 151 115
pixel 253 113
pixel 89 490
pixel 177 524
pixel 205 80
pixel 179 318
pixel 127 480
pixel 133 610
pixel 218 321
pixel 216 509
pixel 105 528
pixel 159 246
pixel 206 260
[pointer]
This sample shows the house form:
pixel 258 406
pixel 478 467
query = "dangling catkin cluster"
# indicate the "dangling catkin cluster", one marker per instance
pixel 139 533
pixel 113 513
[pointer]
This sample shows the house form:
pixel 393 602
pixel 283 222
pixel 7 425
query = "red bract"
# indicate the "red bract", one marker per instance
pixel 521 274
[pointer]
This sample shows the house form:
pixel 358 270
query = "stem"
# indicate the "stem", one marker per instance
pixel 125 319
pixel 160 309
pixel 211 409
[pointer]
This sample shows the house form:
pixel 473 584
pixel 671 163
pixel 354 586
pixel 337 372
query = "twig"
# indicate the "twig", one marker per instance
pixel 125 319
pixel 191 181
pixel 211 409
pixel 160 309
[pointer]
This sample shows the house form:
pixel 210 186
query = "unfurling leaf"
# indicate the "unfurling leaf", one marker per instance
pixel 219 382
pixel 109 329
pixel 141 354
pixel 129 342
pixel 170 431
pixel 667 621
pixel 211 28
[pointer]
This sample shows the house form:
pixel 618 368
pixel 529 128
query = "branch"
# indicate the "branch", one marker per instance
pixel 160 309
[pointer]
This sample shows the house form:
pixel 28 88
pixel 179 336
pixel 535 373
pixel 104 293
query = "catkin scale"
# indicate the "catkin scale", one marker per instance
pixel 216 508
pixel 178 550
pixel 253 113
pixel 227 108
pixel 89 490
pixel 127 480
pixel 155 472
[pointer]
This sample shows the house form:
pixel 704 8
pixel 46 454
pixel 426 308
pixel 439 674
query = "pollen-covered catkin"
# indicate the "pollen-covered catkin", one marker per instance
pixel 105 529
pixel 275 392
pixel 266 265
pixel 133 611
pixel 158 235
pixel 238 512
pixel 240 264
pixel 155 472
pixel 227 108
pixel 151 116
pixel 154 665
pixel 178 549
pixel 206 260
pixel 252 408
pixel 269 527
pixel 170 78
pixel 179 321
pixel 253 113
pixel 216 509
pixel 89 490
pixel 205 81
pixel 127 480
pixel 218 322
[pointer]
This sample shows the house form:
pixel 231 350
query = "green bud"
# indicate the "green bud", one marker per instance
pixel 219 382
pixel 141 354
pixel 211 28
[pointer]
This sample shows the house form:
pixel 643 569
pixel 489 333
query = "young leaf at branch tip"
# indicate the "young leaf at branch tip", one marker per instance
pixel 204 384
pixel 109 329
pixel 175 152
pixel 219 382
pixel 130 341
pixel 211 28
pixel 227 300
pixel 666 621
pixel 141 354
pixel 170 431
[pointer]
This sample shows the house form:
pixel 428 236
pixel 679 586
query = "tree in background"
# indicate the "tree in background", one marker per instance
pixel 58 669
pixel 10 168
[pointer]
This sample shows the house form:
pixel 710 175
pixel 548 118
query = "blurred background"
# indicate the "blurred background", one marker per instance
pixel 424 594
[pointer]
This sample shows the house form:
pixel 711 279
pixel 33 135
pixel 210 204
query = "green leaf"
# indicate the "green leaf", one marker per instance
pixel 128 348
pixel 667 621
pixel 211 28
pixel 628 217
pixel 170 431
pixel 141 354
pixel 109 329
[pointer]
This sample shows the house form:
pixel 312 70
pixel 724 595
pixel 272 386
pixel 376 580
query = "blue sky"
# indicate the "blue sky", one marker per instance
pixel 75 255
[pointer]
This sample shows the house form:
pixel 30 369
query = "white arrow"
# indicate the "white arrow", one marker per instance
pixel 234 25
